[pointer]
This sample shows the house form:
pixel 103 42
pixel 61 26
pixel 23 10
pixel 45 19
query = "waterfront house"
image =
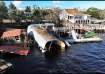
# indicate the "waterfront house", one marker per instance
pixel 12 34
pixel 75 16
pixel 28 14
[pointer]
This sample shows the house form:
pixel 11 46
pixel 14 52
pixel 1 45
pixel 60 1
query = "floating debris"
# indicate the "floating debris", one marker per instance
pixel 4 65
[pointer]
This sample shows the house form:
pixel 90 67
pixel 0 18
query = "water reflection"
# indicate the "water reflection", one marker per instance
pixel 79 58
pixel 52 55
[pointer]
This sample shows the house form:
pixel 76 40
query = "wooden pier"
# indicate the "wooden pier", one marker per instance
pixel 14 49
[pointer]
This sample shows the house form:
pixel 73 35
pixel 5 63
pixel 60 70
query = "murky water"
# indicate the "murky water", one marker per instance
pixel 79 58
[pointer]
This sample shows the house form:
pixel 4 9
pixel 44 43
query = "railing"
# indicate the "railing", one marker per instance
pixel 85 27
pixel 98 28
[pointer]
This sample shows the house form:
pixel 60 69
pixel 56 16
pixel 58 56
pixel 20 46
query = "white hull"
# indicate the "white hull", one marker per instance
pixel 96 39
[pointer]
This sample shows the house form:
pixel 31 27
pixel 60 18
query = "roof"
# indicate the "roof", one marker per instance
pixel 11 33
pixel 74 12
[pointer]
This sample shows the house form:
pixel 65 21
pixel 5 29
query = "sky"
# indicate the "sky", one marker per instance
pixel 62 4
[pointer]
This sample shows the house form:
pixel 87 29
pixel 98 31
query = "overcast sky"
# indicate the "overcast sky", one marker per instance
pixel 61 4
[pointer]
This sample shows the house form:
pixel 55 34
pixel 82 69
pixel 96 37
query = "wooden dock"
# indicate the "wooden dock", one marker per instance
pixel 14 49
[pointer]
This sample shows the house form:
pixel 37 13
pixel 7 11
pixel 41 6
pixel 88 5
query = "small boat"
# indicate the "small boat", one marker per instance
pixel 4 66
pixel 76 40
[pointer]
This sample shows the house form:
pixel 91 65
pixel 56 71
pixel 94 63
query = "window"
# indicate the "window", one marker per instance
pixel 16 37
pixel 88 21
pixel 71 17
pixel 68 17
pixel 79 21
pixel 78 17
pixel 76 21
pixel 84 21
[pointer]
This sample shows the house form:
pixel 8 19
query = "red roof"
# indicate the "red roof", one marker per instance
pixel 11 33
pixel 74 12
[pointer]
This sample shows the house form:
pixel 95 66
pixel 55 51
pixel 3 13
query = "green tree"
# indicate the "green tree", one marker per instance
pixel 2 29
pixel 3 15
pixel 28 9
pixel 12 12
pixel 37 14
pixel 28 15
pixel 102 14
pixel 94 12
pixel 20 16
pixel 3 11
pixel 22 37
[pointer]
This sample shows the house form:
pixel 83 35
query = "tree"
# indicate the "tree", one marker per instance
pixel 2 29
pixel 37 14
pixel 12 12
pixel 20 16
pixel 28 9
pixel 102 14
pixel 3 15
pixel 3 11
pixel 94 12
pixel 53 16
pixel 22 37
pixel 56 19
pixel 28 15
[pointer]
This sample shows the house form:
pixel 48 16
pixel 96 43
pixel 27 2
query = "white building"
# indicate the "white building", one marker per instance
pixel 75 16
pixel 28 14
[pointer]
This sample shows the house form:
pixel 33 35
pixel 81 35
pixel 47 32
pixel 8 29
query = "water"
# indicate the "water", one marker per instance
pixel 79 58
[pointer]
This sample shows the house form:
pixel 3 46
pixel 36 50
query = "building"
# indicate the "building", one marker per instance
pixel 12 34
pixel 75 16
pixel 28 14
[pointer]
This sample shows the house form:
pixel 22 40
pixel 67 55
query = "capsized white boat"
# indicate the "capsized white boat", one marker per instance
pixel 46 41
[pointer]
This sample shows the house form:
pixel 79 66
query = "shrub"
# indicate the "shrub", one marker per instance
pixel 22 37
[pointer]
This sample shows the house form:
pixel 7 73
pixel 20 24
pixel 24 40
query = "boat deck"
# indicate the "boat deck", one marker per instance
pixel 43 32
